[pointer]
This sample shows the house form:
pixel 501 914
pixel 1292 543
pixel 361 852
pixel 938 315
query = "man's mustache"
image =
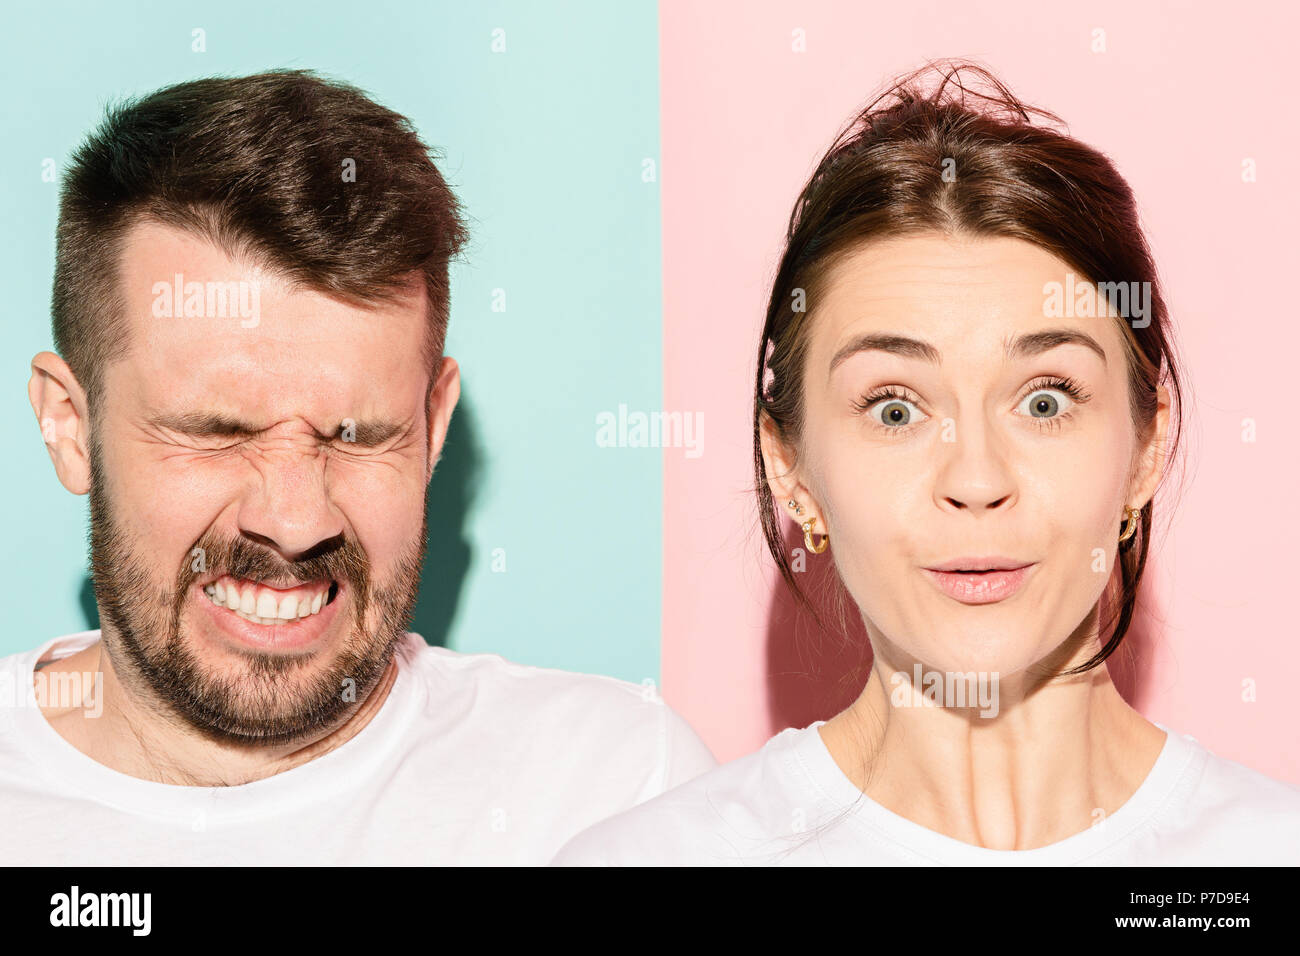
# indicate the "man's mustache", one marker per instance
pixel 336 560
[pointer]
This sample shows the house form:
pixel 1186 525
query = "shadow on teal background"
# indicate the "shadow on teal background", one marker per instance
pixel 546 144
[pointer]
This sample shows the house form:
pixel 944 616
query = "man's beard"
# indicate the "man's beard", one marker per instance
pixel 272 698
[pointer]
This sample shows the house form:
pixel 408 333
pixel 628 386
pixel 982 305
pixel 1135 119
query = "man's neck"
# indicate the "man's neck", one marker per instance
pixel 134 734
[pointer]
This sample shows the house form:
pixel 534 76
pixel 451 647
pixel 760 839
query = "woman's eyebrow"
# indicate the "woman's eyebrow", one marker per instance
pixel 1024 346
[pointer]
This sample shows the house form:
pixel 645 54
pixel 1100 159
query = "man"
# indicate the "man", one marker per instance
pixel 251 303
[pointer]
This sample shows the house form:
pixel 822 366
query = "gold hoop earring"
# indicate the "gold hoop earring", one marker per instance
pixel 807 537
pixel 1131 516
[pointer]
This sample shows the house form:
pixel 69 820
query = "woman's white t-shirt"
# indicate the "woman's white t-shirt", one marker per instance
pixel 789 803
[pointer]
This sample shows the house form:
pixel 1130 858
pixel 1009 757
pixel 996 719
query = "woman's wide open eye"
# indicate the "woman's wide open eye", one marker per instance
pixel 1049 402
pixel 897 412
pixel 1042 403
pixel 1053 401
pixel 890 408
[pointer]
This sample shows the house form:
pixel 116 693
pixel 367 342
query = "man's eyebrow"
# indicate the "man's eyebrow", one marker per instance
pixel 215 424
pixel 1024 346
pixel 367 433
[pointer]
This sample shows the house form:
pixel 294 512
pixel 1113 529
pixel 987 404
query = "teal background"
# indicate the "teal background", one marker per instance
pixel 544 144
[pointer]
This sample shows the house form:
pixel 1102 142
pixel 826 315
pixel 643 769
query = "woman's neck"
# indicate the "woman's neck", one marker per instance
pixel 1020 764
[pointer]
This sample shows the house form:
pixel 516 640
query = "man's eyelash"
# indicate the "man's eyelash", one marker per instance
pixel 1061 383
pixel 335 441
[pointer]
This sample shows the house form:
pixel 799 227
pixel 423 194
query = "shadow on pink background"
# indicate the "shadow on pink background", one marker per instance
pixel 1179 99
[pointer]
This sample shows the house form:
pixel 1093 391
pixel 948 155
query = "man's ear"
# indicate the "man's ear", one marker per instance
pixel 61 409
pixel 1154 457
pixel 780 463
pixel 442 401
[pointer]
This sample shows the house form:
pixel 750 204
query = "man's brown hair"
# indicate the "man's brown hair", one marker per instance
pixel 257 165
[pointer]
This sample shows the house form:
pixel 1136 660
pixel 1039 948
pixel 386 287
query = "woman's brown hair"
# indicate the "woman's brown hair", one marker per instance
pixel 956 161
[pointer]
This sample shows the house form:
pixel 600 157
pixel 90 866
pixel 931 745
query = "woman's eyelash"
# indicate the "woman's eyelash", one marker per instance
pixel 1062 383
pixel 1067 385
pixel 878 395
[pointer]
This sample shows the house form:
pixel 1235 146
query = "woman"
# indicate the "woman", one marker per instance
pixel 959 402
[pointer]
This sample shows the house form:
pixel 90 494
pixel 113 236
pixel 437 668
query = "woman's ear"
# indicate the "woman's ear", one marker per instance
pixel 780 462
pixel 1153 457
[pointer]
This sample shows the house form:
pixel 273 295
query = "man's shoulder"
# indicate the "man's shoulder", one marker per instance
pixel 726 816
pixel 576 724
pixel 55 647
pixel 568 707
pixel 16 668
pixel 488 673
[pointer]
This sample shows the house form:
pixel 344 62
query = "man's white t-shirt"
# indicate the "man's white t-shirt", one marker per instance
pixel 471 759
pixel 789 803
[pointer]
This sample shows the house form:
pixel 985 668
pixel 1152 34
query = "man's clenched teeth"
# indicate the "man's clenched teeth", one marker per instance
pixel 262 605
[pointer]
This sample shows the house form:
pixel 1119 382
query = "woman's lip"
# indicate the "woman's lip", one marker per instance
pixel 987 587
pixel 981 564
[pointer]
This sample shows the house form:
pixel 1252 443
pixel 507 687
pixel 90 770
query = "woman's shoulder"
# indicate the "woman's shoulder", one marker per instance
pixel 725 816
pixel 1230 787
pixel 1230 813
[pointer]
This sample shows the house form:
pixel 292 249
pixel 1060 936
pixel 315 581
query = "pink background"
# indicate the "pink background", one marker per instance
pixel 1181 96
